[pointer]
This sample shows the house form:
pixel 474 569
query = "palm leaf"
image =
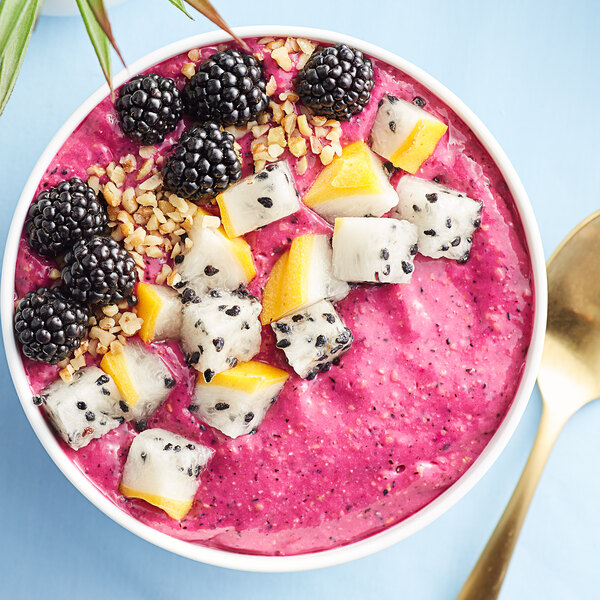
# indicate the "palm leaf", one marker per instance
pixel 98 38
pixel 17 20
pixel 181 6
pixel 97 7
pixel 209 11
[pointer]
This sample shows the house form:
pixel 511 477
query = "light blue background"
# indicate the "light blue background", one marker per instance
pixel 530 71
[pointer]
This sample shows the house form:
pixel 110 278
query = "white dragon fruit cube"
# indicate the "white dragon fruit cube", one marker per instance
pixel 313 339
pixel 235 402
pixel 141 376
pixel 258 200
pixel 162 469
pixel 445 218
pixel 374 250
pixel 214 260
pixel 159 307
pixel 85 408
pixel 220 329
pixel 404 133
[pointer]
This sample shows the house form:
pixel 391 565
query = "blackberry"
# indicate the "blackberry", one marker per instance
pixel 229 88
pixel 336 82
pixel 99 271
pixel 149 107
pixel 203 163
pixel 63 215
pixel 50 326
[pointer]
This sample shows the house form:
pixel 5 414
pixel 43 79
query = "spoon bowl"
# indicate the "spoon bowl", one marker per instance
pixel 571 352
pixel 569 378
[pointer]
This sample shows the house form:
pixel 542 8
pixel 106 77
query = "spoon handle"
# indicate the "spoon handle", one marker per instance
pixel 486 578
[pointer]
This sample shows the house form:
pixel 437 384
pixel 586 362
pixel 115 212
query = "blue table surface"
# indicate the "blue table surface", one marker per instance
pixel 530 71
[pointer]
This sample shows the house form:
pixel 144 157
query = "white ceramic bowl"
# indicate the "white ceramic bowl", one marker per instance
pixel 380 540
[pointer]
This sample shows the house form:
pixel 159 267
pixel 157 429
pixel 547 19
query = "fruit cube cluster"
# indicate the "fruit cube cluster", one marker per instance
pixel 199 298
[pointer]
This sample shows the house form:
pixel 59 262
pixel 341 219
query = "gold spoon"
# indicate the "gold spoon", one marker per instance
pixel 569 378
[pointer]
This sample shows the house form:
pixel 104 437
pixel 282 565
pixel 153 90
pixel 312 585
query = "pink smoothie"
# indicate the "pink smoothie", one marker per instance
pixel 432 372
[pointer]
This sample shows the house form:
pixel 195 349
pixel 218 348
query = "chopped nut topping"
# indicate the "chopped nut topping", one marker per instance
pixel 116 174
pixel 240 132
pixel 106 323
pixel 297 145
pixel 292 45
pixel 173 278
pixel 94 183
pixel 334 135
pixel 152 224
pixel 137 237
pixel 154 252
pixel 281 56
pixel 302 166
pixel 327 155
pixel 147 151
pixel 275 44
pixel 66 374
pixel 145 169
pixel 110 310
pixel 271 86
pixel 152 183
pixel 165 228
pixel 315 145
pixel 129 163
pixel 116 347
pixel 128 200
pixel 291 96
pixel 275 150
pixel 306 46
pixel 101 348
pixel 276 136
pixel 159 215
pixel 179 203
pixel 278 113
pixel 92 345
pixel 162 276
pixel 96 170
pixel 194 54
pixel 259 130
pixel 130 323
pixel 104 337
pixel 302 60
pixel 288 107
pixel 112 194
pixel 189 69
pixel 147 199
pixel 303 126
pixel 289 123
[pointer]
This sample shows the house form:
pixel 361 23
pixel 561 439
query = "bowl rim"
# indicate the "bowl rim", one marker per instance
pixel 373 543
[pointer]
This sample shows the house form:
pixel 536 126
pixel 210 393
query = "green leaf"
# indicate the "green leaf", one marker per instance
pixel 181 6
pixel 97 7
pixel 17 20
pixel 209 11
pixel 98 38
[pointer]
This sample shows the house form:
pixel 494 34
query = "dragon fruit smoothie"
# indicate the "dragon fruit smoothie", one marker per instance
pixel 431 374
